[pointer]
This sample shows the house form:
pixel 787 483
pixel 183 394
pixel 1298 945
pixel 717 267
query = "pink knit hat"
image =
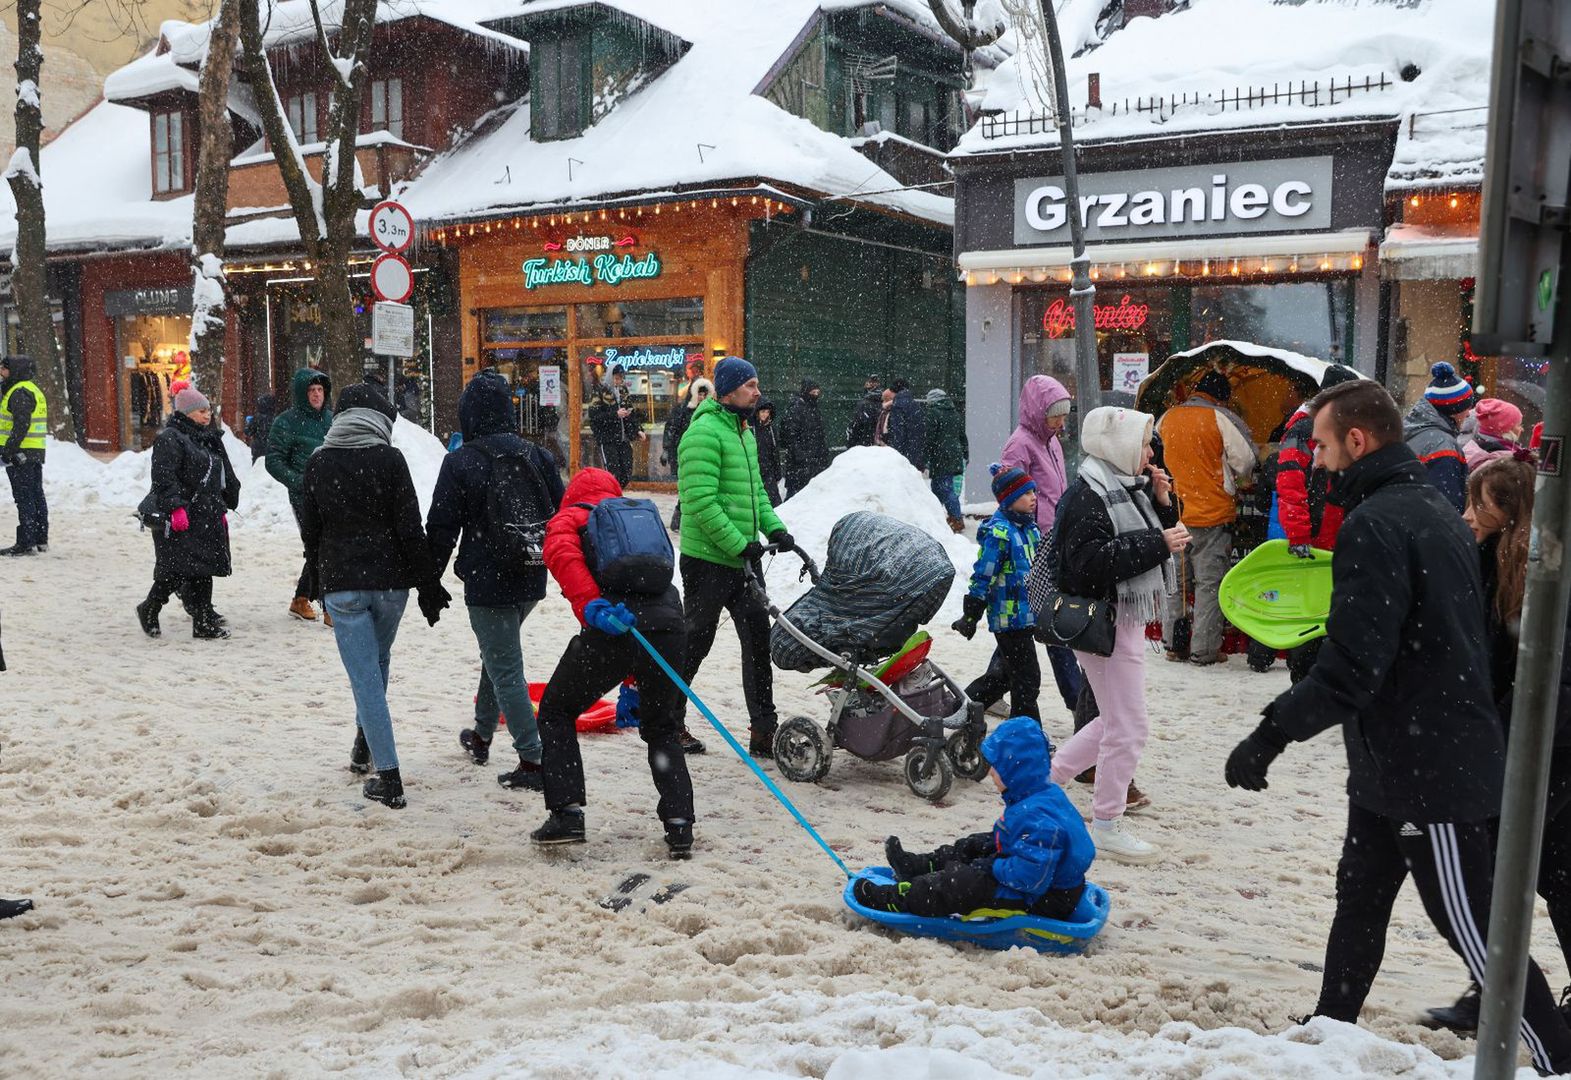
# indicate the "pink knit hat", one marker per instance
pixel 1497 418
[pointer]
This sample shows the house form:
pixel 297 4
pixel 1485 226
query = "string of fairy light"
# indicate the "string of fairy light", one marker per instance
pixel 606 216
pixel 1201 269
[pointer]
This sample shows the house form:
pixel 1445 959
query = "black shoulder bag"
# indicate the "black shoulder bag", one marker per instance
pixel 1075 622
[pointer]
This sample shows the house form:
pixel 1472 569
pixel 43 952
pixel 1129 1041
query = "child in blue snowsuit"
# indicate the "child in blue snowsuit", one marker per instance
pixel 1007 543
pixel 1034 860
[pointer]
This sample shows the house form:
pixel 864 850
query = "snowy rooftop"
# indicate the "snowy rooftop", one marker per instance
pixel 699 122
pixel 1218 47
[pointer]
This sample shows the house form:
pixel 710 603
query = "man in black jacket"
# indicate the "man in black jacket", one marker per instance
pixel 907 432
pixel 805 448
pixel 500 590
pixel 863 428
pixel 1405 672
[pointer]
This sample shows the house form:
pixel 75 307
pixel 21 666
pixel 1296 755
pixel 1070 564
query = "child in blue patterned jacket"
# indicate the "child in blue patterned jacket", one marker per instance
pixel 1008 541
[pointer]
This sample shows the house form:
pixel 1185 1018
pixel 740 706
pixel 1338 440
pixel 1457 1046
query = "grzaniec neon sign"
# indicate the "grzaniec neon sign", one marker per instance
pixel 1059 319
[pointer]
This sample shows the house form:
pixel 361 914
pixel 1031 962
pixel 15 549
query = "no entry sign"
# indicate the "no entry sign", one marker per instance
pixel 392 228
pixel 391 279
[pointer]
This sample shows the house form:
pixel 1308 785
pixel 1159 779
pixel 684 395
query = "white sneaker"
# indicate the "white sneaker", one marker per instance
pixel 1114 840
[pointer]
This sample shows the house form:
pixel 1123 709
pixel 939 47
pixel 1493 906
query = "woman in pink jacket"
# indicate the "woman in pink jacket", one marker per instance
pixel 1499 432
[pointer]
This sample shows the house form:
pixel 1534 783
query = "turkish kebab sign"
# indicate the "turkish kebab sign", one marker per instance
pixel 590 260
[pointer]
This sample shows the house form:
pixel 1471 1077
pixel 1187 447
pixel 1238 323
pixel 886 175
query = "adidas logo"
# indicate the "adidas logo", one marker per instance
pixel 1409 829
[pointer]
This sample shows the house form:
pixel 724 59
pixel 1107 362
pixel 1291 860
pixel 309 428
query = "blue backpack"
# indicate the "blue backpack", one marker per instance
pixel 627 548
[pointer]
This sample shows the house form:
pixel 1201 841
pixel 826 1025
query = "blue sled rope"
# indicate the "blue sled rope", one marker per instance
pixel 737 748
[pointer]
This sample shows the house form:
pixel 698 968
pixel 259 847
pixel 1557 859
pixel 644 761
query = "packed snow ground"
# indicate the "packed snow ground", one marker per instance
pixel 215 897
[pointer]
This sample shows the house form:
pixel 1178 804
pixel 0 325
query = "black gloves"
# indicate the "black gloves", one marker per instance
pixel 782 540
pixel 1247 764
pixel 1300 551
pixel 974 608
pixel 752 552
pixel 433 598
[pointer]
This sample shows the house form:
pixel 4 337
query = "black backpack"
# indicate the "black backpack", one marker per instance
pixel 517 508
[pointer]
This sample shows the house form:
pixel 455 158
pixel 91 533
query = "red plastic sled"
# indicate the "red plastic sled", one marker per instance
pixel 601 716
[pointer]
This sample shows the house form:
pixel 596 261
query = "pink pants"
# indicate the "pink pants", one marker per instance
pixel 1113 741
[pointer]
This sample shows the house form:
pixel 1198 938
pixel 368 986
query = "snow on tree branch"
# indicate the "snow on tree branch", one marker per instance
pixel 21 168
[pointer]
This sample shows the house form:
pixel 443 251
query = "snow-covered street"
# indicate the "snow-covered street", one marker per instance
pixel 215 897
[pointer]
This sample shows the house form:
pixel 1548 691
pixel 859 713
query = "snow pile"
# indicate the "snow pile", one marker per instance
pixel 865 478
pixel 878 1035
pixel 75 479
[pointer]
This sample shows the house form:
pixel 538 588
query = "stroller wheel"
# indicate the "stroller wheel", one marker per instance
pixel 964 750
pixel 802 750
pixel 939 776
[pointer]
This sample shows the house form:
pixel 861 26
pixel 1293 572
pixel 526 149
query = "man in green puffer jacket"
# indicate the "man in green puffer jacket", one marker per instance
pixel 291 441
pixel 724 509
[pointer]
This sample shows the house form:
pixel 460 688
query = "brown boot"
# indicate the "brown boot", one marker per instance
pixel 1136 800
pixel 1087 777
pixel 300 608
pixel 956 525
pixel 327 617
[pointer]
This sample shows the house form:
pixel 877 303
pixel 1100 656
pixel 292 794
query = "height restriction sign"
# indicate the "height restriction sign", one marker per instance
pixel 392 228
pixel 391 279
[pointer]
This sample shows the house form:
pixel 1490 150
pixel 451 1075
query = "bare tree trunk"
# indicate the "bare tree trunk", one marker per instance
pixel 325 211
pixel 29 280
pixel 210 206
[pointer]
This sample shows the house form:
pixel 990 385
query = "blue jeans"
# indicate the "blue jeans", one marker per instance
pixel 503 685
pixel 943 488
pixel 1066 673
pixel 365 622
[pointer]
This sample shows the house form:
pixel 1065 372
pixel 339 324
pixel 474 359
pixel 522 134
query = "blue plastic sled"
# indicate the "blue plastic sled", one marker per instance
pixel 1027 931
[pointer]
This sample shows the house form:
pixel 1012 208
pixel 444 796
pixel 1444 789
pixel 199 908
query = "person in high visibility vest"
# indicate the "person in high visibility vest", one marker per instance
pixel 24 421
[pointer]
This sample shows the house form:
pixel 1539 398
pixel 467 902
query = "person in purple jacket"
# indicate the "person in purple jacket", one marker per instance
pixel 1034 446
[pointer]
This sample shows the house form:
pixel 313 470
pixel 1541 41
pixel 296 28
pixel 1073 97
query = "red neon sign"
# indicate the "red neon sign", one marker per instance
pixel 1059 319
pixel 581 244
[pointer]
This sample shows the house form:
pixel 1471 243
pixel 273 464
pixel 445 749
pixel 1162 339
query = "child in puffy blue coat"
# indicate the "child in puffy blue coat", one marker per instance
pixel 1034 860
pixel 1007 544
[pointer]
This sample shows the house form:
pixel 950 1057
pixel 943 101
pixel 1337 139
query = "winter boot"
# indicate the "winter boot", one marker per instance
pixel 478 749
pixel 956 525
pixel 690 745
pixel 564 826
pixel 679 838
pixel 905 864
pixel 360 754
pixel 203 628
pixel 1087 777
pixel 870 894
pixel 10 909
pixel 147 615
pixel 1136 799
pixel 1461 1017
pixel 527 777
pixel 327 617
pixel 761 742
pixel 387 788
pixel 300 608
pixel 1114 840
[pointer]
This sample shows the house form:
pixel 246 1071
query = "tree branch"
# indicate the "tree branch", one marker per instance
pixel 305 194
pixel 965 32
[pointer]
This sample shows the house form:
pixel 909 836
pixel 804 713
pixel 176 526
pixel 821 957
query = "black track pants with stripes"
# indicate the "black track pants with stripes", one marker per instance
pixel 1453 867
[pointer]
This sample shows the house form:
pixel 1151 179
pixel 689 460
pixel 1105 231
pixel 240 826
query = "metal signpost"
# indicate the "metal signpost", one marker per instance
pixel 1523 308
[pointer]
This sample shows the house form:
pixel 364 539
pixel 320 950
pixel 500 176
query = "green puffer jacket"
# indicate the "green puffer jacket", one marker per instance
pixel 724 506
pixel 297 432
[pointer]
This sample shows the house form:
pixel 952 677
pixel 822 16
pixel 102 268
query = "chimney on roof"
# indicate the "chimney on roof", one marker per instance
pixel 1094 90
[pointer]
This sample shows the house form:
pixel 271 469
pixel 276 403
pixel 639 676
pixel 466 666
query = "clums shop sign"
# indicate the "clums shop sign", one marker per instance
pixel 1286 195
pixel 590 260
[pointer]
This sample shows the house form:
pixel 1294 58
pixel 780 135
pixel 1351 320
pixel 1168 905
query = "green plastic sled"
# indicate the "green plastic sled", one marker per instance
pixel 1278 599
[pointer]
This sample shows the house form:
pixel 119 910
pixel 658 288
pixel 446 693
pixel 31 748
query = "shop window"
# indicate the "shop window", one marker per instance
pixel 1309 317
pixel 559 101
pixel 302 117
pixel 520 325
pixel 168 153
pixel 642 318
pixel 153 352
pixel 387 107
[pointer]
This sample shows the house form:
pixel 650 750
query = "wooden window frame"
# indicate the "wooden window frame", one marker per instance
pixel 550 51
pixel 380 97
pixel 300 98
pixel 176 153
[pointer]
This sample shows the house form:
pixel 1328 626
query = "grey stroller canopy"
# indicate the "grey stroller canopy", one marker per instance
pixel 881 581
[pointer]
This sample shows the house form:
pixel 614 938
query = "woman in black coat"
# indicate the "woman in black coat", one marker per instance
pixel 193 488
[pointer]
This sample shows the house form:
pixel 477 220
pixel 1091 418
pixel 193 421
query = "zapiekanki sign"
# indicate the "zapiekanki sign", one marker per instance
pixel 609 269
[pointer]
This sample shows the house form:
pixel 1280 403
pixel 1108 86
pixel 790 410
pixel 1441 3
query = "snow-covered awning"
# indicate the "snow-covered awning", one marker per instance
pixel 1414 253
pixel 1345 249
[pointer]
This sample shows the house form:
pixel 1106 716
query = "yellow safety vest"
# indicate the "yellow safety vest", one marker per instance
pixel 37 429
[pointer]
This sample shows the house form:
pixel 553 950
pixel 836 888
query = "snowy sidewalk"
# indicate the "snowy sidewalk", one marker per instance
pixel 215 898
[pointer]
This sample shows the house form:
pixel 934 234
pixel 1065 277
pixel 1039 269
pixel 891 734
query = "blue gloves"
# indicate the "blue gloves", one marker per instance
pixel 607 618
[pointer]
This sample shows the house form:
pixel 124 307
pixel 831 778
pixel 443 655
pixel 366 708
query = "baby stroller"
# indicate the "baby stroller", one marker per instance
pixel 862 618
